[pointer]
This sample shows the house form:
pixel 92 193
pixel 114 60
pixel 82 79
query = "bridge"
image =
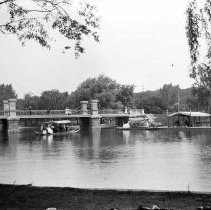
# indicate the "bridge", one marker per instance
pixel 88 119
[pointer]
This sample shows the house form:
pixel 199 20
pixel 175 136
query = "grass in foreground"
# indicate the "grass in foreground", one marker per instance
pixel 30 197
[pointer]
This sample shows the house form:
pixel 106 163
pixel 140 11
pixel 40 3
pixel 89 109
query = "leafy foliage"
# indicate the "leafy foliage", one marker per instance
pixel 150 101
pixel 199 40
pixel 112 95
pixel 109 93
pixel 103 88
pixel 170 94
pixel 35 20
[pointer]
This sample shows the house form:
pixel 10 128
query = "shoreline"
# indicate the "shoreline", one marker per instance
pixel 39 197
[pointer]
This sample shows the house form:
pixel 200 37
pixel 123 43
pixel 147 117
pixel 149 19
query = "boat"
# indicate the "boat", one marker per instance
pixel 140 122
pixel 57 128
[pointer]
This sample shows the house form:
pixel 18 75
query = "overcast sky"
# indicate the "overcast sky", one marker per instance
pixel 140 40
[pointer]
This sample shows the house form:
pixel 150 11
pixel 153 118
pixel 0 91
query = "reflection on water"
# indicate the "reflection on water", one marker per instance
pixel 138 159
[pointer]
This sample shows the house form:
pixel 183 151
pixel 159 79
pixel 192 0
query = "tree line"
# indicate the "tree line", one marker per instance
pixel 112 95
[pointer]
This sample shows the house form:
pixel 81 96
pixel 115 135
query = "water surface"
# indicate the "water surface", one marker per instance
pixel 137 159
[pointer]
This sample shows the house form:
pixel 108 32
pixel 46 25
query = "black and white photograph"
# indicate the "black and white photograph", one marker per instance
pixel 105 104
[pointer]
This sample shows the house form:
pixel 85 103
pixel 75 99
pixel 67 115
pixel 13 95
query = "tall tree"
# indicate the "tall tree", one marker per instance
pixel 109 93
pixel 126 95
pixel 200 94
pixel 199 40
pixel 53 99
pixel 29 100
pixel 170 93
pixel 36 19
pixel 151 102
pixel 102 88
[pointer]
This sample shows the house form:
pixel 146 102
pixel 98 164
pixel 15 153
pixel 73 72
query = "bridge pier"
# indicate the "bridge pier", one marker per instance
pixel 90 122
pixel 11 123
pixel 6 108
pixel 95 117
pixel 94 122
pixel 12 107
pixel 84 110
pixel 84 121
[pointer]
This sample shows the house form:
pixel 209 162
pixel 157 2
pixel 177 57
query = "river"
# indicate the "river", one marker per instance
pixel 137 159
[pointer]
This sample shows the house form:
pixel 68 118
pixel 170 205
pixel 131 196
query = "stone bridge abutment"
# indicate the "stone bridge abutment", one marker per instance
pixel 91 121
pixel 10 122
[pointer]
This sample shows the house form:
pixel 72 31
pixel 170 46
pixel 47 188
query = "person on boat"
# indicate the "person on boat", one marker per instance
pixel 126 110
pixel 43 129
pixel 49 129
pixel 63 127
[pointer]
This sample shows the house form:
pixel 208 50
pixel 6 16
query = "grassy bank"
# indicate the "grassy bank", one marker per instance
pixel 29 197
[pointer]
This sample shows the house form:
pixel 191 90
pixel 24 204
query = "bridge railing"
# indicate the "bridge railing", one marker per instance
pixel 132 112
pixel 111 111
pixel 46 112
pixel 63 112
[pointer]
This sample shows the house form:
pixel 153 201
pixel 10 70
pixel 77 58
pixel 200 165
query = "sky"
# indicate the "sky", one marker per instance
pixel 142 42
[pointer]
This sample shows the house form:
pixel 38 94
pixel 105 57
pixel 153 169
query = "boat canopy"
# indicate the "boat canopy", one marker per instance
pixel 190 114
pixel 58 122
pixel 137 119
pixel 62 121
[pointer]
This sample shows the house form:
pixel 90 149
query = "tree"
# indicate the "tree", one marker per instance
pixel 199 40
pixel 53 99
pixel 6 92
pixel 169 93
pixel 102 88
pixel 126 95
pixel 36 19
pixel 29 100
pixel 150 101
pixel 200 96
pixel 109 93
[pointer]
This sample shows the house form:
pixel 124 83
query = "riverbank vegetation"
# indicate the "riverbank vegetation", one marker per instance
pixel 29 197
pixel 112 95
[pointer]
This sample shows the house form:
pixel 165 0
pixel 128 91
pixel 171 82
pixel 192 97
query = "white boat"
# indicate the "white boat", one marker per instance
pixel 57 128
